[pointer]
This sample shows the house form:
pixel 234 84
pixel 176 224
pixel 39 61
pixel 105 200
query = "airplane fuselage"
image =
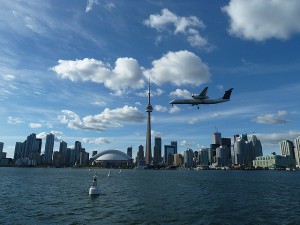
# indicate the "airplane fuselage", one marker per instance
pixel 198 101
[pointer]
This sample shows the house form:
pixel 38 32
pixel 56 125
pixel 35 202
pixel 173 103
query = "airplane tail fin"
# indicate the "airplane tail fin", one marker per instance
pixel 227 94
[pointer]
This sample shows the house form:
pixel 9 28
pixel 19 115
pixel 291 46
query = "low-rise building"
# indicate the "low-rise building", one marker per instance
pixel 274 162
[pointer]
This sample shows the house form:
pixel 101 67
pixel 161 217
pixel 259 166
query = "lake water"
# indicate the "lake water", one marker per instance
pixel 60 196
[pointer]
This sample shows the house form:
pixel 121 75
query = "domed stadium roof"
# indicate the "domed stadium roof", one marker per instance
pixel 111 155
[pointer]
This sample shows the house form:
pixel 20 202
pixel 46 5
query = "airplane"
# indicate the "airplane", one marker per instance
pixel 202 95
pixel 193 101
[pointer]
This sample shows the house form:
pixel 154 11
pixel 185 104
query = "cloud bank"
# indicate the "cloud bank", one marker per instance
pixel 272 118
pixel 106 119
pixel 261 20
pixel 178 68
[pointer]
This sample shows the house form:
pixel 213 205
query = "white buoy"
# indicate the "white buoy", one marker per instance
pixel 94 189
pixel 120 171
pixel 109 174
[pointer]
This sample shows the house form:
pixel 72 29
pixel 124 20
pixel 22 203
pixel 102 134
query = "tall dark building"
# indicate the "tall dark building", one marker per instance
pixel 129 151
pixel 227 143
pixel 49 148
pixel 148 155
pixel 77 151
pixel 140 154
pixel 174 143
pixel 169 154
pixel 157 151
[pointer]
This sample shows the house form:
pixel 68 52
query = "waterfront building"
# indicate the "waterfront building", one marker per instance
pixel 227 143
pixel 84 158
pixel 71 160
pixel 188 158
pixel 57 159
pixel 2 154
pixel 244 151
pixel 274 162
pixel 77 150
pixel 169 154
pixel 213 148
pixel 49 148
pixel 297 151
pixel 149 108
pixel 1 147
pixel 203 157
pixel 157 151
pixel 18 151
pixel 222 156
pixel 257 146
pixel 129 151
pixel 140 159
pixel 63 147
pixel 287 148
pixel 112 158
pixel 174 143
pixel 216 138
pixel 31 150
pixel 178 160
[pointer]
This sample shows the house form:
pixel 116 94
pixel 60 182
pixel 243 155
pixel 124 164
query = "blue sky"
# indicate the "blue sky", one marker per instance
pixel 79 69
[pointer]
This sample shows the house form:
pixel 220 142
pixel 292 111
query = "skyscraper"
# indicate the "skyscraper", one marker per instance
pixel 129 151
pixel 216 138
pixel 63 146
pixel 174 143
pixel 31 149
pixel 287 148
pixel 1 150
pixel 297 151
pixel 157 151
pixel 257 146
pixel 188 158
pixel 148 156
pixel 49 148
pixel 169 154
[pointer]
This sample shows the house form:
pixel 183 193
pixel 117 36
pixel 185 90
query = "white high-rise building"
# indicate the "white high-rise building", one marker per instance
pixel 297 151
pixel 287 148
pixel 222 156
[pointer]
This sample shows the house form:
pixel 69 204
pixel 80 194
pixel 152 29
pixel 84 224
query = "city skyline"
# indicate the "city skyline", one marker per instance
pixel 80 70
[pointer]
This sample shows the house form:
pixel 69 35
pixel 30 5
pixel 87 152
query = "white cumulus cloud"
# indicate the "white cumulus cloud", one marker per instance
pixel 263 19
pixel 96 141
pixel 35 125
pixel 272 118
pixel 179 68
pixel 160 108
pixel 180 94
pixel 273 139
pixel 188 26
pixel 126 74
pixel 174 109
pixel 106 119
pixel 14 120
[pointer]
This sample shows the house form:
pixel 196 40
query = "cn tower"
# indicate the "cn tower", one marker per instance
pixel 149 108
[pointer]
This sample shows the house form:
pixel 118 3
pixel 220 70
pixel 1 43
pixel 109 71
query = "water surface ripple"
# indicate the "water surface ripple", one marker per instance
pixel 60 196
